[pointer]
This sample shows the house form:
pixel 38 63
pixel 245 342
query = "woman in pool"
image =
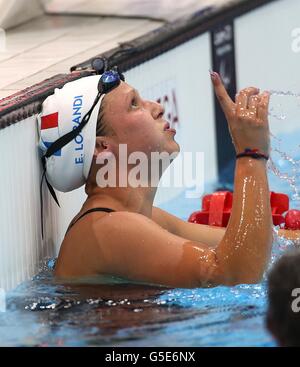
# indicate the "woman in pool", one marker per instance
pixel 132 239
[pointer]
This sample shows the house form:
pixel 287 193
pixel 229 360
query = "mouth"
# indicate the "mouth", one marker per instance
pixel 167 127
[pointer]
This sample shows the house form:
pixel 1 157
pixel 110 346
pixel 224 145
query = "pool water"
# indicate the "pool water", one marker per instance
pixel 42 313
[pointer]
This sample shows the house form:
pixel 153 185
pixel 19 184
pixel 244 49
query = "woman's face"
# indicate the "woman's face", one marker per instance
pixel 137 122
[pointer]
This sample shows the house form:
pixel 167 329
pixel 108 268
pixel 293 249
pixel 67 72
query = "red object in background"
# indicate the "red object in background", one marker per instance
pixel 279 205
pixel 292 220
pixel 216 209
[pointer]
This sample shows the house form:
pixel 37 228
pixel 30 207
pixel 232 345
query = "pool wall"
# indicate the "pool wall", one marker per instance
pixel 171 65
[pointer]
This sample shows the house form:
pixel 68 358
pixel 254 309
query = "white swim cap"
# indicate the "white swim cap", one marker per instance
pixel 68 168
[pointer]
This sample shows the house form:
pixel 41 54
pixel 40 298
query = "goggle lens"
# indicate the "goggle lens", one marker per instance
pixel 108 81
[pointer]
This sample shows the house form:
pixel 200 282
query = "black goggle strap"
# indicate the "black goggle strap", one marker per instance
pixel 65 139
pixel 53 194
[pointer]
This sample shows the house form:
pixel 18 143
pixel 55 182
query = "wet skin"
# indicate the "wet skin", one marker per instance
pixel 144 243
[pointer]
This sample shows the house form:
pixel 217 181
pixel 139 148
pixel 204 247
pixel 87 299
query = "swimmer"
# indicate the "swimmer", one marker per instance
pixel 118 231
pixel 283 317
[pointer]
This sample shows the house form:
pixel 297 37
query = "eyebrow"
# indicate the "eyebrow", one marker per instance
pixel 130 94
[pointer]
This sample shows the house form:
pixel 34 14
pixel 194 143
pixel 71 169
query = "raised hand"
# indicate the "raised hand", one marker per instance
pixel 247 117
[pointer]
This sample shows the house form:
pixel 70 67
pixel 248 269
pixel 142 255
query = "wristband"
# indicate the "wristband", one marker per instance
pixel 253 153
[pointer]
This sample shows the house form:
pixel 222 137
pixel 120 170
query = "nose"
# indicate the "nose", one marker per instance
pixel 157 110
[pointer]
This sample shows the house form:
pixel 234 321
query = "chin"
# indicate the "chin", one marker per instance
pixel 173 147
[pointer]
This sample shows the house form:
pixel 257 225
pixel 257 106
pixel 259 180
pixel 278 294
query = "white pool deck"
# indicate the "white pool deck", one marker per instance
pixel 75 31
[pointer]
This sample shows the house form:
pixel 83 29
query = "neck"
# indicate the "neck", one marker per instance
pixel 137 200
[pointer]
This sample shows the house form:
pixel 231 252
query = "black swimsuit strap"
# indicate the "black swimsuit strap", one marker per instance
pixel 107 210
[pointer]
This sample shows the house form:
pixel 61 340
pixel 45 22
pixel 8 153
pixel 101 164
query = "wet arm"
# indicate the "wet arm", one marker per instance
pixel 245 249
pixel 209 235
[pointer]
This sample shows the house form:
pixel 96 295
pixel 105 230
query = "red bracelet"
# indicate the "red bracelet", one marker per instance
pixel 253 153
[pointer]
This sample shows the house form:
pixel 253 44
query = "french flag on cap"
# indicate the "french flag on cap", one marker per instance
pixel 49 125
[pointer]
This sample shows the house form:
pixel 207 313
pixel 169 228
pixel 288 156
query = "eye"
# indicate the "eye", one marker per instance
pixel 134 102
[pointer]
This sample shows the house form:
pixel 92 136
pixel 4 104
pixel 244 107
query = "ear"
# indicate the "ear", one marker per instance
pixel 104 148
pixel 102 145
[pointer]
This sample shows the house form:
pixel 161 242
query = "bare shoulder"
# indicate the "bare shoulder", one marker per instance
pixel 136 247
pixel 124 225
pixel 132 246
pixel 79 253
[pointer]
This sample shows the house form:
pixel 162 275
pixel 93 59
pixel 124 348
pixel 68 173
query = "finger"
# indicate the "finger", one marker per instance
pixel 241 102
pixel 253 104
pixel 242 98
pixel 224 99
pixel 263 106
